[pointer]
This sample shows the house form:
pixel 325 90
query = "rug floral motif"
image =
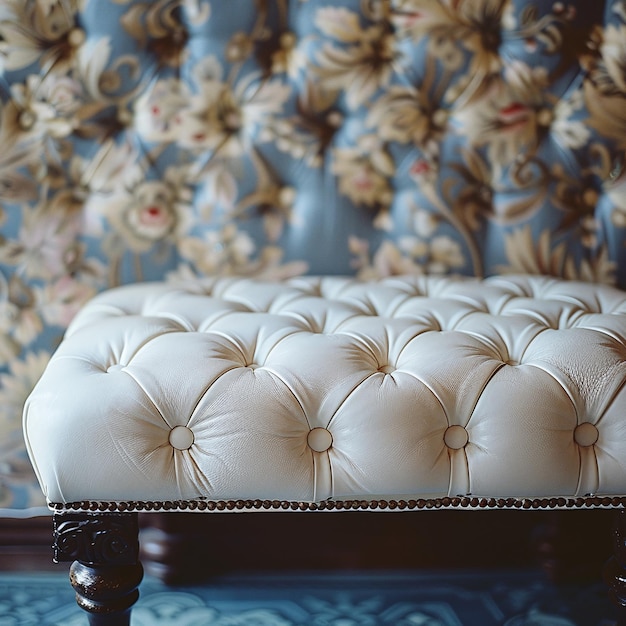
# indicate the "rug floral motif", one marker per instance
pixel 408 599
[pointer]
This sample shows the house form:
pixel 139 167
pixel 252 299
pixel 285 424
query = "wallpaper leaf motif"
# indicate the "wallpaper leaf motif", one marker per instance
pixel 169 139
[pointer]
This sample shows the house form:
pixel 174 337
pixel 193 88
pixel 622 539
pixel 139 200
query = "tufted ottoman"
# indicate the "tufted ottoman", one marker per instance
pixel 322 394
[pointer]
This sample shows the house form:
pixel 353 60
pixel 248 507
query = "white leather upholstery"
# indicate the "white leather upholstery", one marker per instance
pixel 318 388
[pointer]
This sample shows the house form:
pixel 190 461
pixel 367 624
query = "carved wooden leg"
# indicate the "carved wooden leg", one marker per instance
pixel 106 570
pixel 615 570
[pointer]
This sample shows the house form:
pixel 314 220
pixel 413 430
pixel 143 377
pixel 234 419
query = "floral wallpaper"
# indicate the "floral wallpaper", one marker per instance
pixel 173 138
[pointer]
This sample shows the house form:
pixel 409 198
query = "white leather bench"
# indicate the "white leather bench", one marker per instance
pixel 236 394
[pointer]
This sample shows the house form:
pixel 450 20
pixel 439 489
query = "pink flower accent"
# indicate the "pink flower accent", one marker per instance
pixel 514 115
pixel 420 167
pixel 151 215
pixel 410 19
pixel 530 44
pixel 362 179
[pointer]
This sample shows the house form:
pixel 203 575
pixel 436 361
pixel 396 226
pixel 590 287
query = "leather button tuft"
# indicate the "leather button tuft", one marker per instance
pixel 456 437
pixel 26 120
pixel 288 40
pixel 319 440
pixel 386 369
pixel 181 438
pixel 117 367
pixel 586 435
pixel 76 37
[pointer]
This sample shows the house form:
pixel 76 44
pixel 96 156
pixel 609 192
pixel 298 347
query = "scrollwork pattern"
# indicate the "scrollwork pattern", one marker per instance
pixel 110 539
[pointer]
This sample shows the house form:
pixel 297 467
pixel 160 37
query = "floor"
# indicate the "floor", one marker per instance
pixel 423 598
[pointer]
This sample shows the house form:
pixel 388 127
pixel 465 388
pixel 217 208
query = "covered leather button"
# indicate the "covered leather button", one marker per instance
pixel 586 435
pixel 456 437
pixel 117 367
pixel 319 440
pixel 181 438
pixel 26 120
pixel 76 37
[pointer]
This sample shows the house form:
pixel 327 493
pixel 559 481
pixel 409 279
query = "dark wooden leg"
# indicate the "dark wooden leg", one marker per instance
pixel 571 546
pixel 174 548
pixel 167 550
pixel 615 569
pixel 105 572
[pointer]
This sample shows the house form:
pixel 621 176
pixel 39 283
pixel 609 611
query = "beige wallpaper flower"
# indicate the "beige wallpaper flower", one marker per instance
pixel 169 139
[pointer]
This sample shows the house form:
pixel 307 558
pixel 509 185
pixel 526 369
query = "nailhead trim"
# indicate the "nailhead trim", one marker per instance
pixel 464 502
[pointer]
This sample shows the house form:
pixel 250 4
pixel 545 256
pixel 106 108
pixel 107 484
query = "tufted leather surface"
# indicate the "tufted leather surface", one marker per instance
pixel 315 388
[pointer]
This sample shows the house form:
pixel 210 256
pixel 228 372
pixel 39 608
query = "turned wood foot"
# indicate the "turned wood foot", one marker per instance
pixel 615 569
pixel 105 572
pixel 108 592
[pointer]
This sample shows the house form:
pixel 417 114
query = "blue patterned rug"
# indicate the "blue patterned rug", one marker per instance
pixel 397 599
